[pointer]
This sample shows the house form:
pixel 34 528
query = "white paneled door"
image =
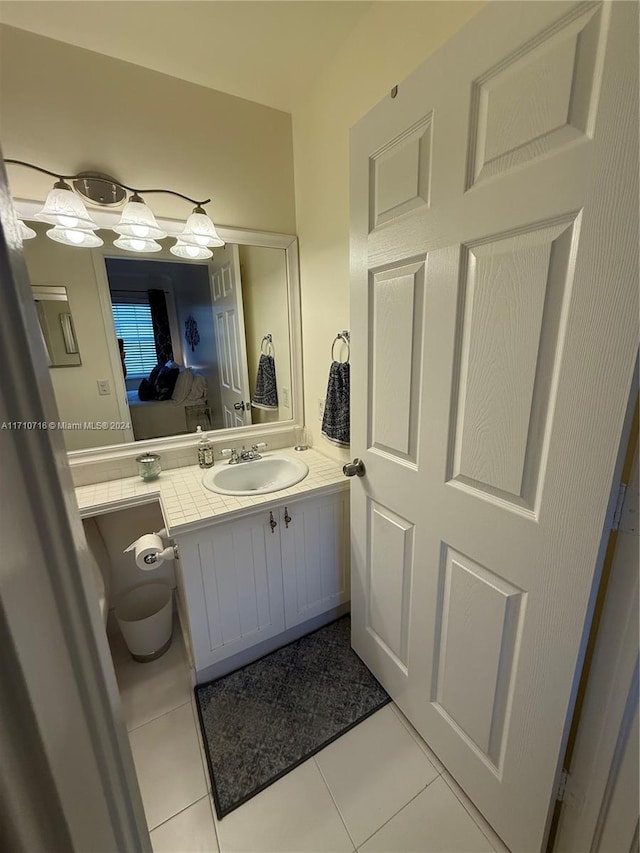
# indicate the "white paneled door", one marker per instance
pixel 494 315
pixel 228 317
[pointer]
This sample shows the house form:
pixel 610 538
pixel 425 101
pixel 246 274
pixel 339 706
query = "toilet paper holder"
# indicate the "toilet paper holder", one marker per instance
pixel 169 553
pixel 150 553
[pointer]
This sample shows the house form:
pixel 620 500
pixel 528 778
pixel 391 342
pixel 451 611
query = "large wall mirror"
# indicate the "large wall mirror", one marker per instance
pixel 169 345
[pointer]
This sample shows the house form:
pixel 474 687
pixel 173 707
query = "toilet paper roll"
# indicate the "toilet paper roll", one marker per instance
pixel 149 550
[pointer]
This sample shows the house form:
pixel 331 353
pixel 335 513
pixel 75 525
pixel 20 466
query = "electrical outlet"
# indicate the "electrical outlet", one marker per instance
pixel 285 397
pixel 320 408
pixel 103 387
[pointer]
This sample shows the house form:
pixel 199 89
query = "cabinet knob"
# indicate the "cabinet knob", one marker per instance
pixel 287 517
pixel 272 522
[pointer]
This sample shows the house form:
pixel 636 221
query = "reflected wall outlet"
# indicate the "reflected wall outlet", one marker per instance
pixel 103 387
pixel 285 397
pixel 320 408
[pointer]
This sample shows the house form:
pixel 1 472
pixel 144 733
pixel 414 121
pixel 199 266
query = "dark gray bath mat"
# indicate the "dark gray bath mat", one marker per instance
pixel 261 721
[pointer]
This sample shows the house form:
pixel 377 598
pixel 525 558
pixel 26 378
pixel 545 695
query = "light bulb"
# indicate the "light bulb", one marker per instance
pixel 68 221
pixel 76 237
pixel 137 245
pixel 192 251
pixel 140 230
pixel 200 240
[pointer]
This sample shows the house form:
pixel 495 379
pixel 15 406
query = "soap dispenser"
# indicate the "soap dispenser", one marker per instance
pixel 205 450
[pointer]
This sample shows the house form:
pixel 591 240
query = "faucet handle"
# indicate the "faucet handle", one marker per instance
pixel 226 452
pixel 260 445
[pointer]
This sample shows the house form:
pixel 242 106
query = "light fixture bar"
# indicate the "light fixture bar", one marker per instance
pixel 82 175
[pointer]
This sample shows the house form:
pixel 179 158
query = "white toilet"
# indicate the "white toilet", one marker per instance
pixel 100 565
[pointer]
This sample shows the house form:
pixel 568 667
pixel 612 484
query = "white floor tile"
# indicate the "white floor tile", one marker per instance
pixel 433 758
pixel 373 771
pixel 487 830
pixel 168 764
pixel 294 815
pixel 433 822
pixel 148 690
pixel 190 831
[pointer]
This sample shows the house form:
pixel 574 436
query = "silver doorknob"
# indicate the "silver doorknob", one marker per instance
pixel 239 407
pixel 355 468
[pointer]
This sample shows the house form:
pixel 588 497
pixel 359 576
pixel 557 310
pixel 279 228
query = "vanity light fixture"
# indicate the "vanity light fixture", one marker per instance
pixel 137 220
pixel 137 244
pixel 200 230
pixel 74 237
pixel 137 228
pixel 182 249
pixel 64 208
pixel 26 233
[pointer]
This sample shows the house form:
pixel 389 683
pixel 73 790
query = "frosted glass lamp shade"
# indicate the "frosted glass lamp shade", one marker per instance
pixel 74 237
pixel 137 244
pixel 138 221
pixel 199 230
pixel 190 252
pixel 25 232
pixel 64 208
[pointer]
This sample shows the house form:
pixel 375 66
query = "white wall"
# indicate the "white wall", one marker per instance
pixel 264 293
pixel 388 42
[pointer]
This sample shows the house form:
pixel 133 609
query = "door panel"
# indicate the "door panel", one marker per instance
pixel 513 296
pixel 315 560
pixel 494 324
pixel 239 566
pixel 396 327
pixel 229 327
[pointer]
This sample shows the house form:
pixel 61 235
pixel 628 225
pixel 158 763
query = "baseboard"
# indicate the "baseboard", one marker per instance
pixel 223 667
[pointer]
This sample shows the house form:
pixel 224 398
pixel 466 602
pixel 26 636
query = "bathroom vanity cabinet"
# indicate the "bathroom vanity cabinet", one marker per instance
pixel 252 579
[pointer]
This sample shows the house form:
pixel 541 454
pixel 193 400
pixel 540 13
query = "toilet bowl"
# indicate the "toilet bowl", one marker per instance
pixel 100 565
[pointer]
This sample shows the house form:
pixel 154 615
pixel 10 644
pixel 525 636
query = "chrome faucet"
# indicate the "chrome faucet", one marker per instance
pixel 244 455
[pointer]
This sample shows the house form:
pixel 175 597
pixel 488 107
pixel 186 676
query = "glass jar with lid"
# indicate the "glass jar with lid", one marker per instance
pixel 149 466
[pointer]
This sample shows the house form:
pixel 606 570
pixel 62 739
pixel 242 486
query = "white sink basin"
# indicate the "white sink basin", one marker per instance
pixel 269 474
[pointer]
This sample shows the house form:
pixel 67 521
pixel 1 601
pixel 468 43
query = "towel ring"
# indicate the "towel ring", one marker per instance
pixel 269 346
pixel 345 337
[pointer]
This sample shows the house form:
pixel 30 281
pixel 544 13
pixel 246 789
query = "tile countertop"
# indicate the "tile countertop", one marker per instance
pixel 186 504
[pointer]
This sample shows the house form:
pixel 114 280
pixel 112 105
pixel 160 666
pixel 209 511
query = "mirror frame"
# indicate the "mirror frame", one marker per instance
pixel 246 434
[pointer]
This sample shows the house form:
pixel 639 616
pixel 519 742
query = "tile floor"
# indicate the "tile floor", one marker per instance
pixel 378 789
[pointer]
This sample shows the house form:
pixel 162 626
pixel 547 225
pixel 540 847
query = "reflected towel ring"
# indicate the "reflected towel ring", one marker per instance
pixel 269 347
pixel 345 337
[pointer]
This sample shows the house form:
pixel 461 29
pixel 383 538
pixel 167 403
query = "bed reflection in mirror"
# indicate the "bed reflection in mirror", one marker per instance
pixel 168 345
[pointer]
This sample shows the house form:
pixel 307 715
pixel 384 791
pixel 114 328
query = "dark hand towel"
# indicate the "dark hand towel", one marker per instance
pixel 335 421
pixel 266 393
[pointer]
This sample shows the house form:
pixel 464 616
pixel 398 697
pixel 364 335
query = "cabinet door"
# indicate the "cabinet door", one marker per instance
pixel 237 588
pixel 315 556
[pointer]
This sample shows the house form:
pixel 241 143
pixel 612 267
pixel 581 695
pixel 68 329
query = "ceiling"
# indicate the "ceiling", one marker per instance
pixel 267 51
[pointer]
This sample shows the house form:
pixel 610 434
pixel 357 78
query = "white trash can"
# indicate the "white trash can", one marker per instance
pixel 144 615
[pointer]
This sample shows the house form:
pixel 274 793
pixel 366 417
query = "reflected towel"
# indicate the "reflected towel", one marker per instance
pixel 266 393
pixel 335 421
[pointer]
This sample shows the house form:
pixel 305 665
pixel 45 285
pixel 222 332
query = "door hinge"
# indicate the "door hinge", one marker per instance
pixel 617 513
pixel 562 786
pixel 568 792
